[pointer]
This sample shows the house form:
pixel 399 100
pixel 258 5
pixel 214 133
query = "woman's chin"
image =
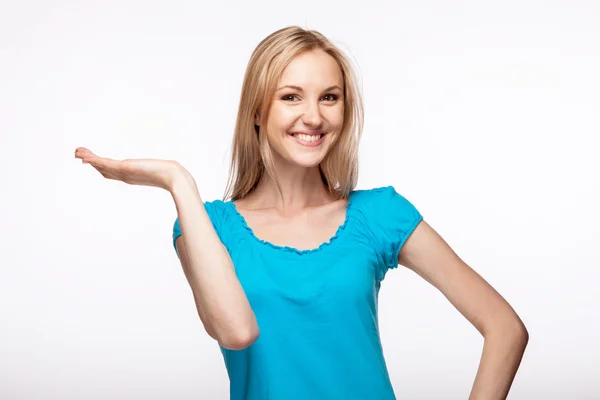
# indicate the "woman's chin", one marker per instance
pixel 309 161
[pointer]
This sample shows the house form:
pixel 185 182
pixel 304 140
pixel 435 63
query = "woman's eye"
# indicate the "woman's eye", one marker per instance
pixel 288 97
pixel 327 97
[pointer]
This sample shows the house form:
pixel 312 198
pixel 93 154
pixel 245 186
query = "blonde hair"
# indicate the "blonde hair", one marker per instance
pixel 251 154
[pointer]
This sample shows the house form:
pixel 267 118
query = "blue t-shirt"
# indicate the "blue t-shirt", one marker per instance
pixel 316 309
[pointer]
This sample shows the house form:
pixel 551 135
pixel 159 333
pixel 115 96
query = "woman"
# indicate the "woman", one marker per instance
pixel 286 273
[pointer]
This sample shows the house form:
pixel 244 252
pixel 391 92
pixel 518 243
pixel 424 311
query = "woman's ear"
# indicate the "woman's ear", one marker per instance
pixel 257 118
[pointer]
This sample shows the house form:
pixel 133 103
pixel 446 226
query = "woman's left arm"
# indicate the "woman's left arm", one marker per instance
pixel 505 336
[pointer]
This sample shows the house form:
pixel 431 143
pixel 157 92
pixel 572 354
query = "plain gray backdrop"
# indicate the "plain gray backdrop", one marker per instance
pixel 483 114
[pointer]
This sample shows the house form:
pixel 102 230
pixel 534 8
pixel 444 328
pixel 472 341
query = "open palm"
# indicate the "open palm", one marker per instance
pixel 138 171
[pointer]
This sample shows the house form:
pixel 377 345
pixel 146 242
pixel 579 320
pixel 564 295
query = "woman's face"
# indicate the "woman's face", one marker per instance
pixel 307 112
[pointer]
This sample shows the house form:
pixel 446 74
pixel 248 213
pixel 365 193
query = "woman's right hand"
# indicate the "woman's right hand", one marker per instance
pixel 138 171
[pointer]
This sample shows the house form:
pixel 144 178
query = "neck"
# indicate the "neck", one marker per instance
pixel 301 187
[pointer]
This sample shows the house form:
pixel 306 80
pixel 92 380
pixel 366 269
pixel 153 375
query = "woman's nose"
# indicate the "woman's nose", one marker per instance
pixel 312 114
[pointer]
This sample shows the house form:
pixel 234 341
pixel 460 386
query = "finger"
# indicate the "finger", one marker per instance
pixel 88 157
pixel 85 155
pixel 103 162
pixel 81 152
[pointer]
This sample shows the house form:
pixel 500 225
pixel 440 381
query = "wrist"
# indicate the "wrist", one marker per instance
pixel 181 179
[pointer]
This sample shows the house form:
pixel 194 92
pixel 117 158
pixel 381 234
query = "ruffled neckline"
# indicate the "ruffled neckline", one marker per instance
pixel 289 249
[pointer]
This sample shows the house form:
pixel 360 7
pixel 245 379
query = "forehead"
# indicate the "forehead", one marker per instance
pixel 312 68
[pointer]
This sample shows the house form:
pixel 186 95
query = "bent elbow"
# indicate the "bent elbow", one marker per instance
pixel 240 341
pixel 523 334
pixel 513 331
pixel 518 331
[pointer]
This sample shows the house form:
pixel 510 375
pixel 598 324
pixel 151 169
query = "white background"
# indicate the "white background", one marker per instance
pixel 483 114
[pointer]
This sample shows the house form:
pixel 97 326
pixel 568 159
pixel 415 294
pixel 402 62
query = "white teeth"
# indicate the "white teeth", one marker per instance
pixel 307 138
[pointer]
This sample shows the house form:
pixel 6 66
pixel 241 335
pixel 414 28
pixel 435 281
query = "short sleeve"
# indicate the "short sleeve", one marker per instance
pixel 214 213
pixel 176 234
pixel 392 219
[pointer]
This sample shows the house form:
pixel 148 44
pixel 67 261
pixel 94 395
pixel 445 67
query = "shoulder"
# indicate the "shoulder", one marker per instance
pixel 369 194
pixel 217 213
pixel 384 209
pixel 215 207
pixel 380 198
pixel 388 218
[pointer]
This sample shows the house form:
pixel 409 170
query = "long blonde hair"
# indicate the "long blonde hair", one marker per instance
pixel 251 154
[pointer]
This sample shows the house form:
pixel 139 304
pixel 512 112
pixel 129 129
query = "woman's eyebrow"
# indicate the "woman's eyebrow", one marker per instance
pixel 298 88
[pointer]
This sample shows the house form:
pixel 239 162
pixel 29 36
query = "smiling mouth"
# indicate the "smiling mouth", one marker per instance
pixel 308 138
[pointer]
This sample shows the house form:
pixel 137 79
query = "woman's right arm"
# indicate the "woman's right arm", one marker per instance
pixel 221 302
pixel 220 299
